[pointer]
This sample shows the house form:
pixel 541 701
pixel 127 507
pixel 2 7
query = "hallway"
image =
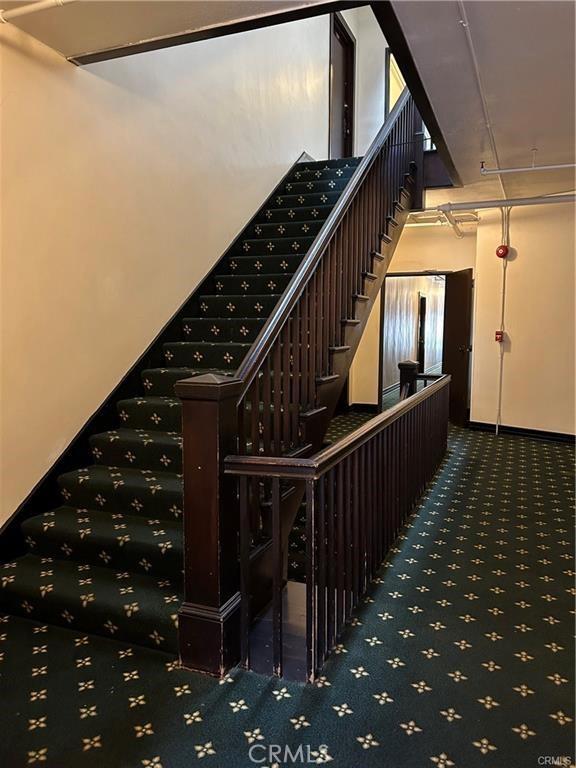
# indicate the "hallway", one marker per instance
pixel 460 658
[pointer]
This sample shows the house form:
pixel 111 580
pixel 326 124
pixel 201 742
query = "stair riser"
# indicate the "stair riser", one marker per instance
pixel 286 229
pixel 315 175
pixel 166 418
pixel 271 247
pixel 102 552
pixel 320 185
pixel 240 331
pixel 65 606
pixel 319 165
pixel 237 306
pixel 166 457
pixel 295 214
pixel 246 285
pixel 304 200
pixel 150 502
pixel 210 356
pixel 160 382
pixel 264 265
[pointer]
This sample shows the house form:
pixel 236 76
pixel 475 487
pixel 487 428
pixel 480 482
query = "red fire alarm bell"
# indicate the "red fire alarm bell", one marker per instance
pixel 502 251
pixel 499 336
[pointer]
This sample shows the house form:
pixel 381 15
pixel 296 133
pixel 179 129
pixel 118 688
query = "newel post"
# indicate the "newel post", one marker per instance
pixel 209 618
pixel 408 377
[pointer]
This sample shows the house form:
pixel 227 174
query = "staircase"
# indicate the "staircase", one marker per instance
pixel 145 547
pixel 109 560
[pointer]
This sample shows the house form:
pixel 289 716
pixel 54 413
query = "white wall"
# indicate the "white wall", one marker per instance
pixel 538 376
pixel 121 184
pixel 434 248
pixel 369 106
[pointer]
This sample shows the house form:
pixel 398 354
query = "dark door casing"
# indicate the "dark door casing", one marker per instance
pixel 342 56
pixel 456 347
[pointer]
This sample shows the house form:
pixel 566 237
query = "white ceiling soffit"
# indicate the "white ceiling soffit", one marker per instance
pixel 526 63
pixel 93 26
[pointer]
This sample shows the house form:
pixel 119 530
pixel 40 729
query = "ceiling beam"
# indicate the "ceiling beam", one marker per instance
pixel 242 25
pixel 396 39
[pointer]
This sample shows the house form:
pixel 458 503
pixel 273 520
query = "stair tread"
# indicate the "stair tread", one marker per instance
pixel 88 598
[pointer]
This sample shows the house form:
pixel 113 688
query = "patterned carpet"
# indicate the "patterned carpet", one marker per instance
pixel 462 656
pixel 109 560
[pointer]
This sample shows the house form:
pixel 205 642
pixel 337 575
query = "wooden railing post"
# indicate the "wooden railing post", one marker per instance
pixel 209 618
pixel 408 377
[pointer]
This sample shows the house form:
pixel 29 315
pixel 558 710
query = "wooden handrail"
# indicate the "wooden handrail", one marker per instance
pixel 315 466
pixel 263 344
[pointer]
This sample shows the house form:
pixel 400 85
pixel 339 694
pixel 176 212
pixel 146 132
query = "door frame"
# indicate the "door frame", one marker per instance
pixel 338 23
pixel 425 273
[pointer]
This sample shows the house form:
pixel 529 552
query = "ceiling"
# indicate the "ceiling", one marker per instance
pixel 88 26
pixel 524 90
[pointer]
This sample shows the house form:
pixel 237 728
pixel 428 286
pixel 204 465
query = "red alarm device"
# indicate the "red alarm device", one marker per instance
pixel 499 336
pixel 502 251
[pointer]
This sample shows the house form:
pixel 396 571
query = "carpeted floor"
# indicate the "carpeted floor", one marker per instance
pixel 462 656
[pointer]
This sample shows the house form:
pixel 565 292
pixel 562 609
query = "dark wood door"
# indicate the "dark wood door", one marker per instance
pixel 456 347
pixel 341 89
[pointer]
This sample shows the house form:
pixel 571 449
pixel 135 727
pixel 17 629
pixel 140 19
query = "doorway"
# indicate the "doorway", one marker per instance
pixel 427 317
pixel 342 68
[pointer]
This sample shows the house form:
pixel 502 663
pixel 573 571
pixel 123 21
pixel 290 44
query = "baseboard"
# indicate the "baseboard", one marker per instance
pixel 45 494
pixel 538 434
pixel 363 407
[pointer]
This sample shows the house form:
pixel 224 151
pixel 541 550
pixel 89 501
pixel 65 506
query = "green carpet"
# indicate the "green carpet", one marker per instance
pixel 109 560
pixel 461 657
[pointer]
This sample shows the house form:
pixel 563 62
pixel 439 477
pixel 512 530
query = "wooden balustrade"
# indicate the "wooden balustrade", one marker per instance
pixel 284 394
pixel 359 492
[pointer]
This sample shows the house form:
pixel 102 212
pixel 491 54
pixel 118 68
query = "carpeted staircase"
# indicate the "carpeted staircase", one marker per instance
pixel 109 560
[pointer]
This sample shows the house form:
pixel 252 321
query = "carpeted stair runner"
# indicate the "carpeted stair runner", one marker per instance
pixel 109 560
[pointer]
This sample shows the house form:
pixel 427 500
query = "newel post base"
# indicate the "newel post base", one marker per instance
pixel 209 617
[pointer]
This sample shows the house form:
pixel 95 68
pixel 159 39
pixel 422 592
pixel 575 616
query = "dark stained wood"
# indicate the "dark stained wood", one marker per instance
pixel 209 618
pixel 352 517
pixel 386 16
pixel 342 76
pixel 457 338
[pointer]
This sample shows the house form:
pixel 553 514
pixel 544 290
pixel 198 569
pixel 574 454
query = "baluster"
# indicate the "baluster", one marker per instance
pixel 311 603
pixel 277 580
pixel 245 540
pixel 321 539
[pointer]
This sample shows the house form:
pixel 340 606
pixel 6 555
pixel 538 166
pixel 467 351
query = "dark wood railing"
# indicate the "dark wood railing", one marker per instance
pixel 294 355
pixel 282 397
pixel 359 492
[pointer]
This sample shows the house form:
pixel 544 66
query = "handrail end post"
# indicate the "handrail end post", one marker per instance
pixel 209 617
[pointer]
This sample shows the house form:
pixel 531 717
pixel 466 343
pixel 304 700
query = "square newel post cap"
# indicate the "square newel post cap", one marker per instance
pixel 209 386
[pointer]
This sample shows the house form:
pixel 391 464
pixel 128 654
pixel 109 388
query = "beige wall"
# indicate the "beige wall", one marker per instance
pixel 434 247
pixel 538 381
pixel 369 116
pixel 538 376
pixel 121 185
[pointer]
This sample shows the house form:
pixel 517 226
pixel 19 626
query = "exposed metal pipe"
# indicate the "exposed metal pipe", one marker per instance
pixel 24 10
pixel 497 171
pixel 454 224
pixel 507 203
